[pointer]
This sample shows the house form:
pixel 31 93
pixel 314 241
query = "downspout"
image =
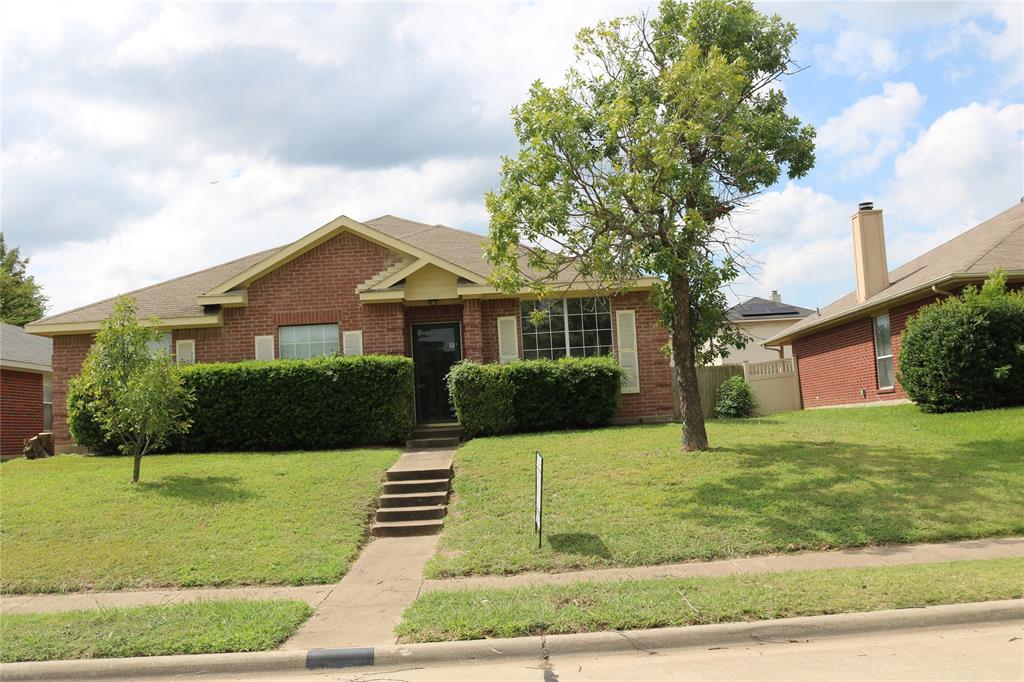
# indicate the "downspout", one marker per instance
pixel 943 292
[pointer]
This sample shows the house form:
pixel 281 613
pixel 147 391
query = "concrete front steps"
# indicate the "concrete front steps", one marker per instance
pixel 435 436
pixel 415 498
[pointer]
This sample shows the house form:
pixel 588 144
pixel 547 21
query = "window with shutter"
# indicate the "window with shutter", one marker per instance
pixel 625 329
pixel 508 340
pixel 264 347
pixel 352 343
pixel 185 351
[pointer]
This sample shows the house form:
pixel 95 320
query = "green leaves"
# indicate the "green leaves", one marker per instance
pixel 966 353
pixel 535 395
pixel 634 165
pixel 126 395
pixel 21 298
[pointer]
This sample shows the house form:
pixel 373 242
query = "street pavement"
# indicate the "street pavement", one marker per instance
pixel 986 652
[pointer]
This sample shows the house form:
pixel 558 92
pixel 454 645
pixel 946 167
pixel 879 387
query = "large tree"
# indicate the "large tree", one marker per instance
pixel 131 390
pixel 21 298
pixel 665 126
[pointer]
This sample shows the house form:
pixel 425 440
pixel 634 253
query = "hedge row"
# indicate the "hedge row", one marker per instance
pixel 535 395
pixel 322 403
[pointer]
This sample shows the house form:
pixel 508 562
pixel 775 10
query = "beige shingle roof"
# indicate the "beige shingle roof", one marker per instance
pixel 173 298
pixel 997 242
pixel 465 249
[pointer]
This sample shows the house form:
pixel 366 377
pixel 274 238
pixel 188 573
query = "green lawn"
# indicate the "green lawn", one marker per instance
pixel 73 523
pixel 666 602
pixel 193 628
pixel 801 480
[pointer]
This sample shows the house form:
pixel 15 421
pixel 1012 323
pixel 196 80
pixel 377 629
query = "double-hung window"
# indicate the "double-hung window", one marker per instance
pixel 308 340
pixel 569 327
pixel 883 351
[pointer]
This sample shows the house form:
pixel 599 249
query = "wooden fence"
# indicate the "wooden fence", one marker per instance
pixel 708 381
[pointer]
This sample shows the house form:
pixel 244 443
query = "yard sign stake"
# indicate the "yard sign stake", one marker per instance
pixel 538 511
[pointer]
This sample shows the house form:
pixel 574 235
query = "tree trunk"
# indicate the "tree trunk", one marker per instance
pixel 695 437
pixel 135 472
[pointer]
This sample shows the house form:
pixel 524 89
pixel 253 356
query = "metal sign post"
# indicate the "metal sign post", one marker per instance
pixel 538 512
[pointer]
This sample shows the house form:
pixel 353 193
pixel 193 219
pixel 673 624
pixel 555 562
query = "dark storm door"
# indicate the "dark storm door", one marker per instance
pixel 435 348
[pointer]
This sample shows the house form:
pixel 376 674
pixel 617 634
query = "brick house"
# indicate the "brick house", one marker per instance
pixel 25 388
pixel 386 286
pixel 848 352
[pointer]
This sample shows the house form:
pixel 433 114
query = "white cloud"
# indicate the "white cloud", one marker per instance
pixel 873 127
pixel 859 54
pixel 966 167
pixel 254 204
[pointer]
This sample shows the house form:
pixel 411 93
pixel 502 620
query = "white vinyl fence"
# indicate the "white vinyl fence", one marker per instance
pixel 775 385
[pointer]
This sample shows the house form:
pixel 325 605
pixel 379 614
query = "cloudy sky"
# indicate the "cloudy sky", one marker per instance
pixel 145 141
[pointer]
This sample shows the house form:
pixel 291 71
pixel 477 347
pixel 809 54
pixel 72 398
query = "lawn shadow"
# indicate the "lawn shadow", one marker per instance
pixel 587 544
pixel 199 489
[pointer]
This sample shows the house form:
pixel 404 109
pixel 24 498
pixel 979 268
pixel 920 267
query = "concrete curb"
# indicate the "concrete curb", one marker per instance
pixel 721 635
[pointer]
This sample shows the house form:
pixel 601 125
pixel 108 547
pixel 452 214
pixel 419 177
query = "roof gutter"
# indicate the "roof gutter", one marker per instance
pixel 885 301
pixel 66 328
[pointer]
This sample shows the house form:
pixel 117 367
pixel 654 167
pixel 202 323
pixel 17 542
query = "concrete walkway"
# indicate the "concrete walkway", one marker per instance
pixel 75 601
pixel 369 601
pixel 889 555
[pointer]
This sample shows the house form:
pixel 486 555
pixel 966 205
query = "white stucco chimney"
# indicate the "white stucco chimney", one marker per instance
pixel 776 296
pixel 869 263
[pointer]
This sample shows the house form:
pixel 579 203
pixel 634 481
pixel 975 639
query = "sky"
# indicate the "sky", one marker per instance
pixel 145 141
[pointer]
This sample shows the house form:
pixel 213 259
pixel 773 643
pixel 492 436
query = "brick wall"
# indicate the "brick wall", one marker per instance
pixel 318 287
pixel 21 409
pixel 68 355
pixel 835 365
pixel 655 399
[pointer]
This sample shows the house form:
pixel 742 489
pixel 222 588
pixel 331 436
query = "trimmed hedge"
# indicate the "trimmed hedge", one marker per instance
pixel 966 353
pixel 322 403
pixel 535 395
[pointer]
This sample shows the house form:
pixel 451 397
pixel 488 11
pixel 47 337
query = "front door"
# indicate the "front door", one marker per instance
pixel 435 348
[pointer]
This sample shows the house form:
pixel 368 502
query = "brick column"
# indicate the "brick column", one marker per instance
pixel 68 355
pixel 472 331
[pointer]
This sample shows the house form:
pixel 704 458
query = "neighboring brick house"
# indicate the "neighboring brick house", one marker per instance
pixel 848 353
pixel 25 385
pixel 389 286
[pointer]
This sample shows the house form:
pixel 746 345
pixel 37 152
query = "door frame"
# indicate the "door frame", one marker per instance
pixel 412 352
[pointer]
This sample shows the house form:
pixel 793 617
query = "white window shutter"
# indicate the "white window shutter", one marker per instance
pixel 264 347
pixel 625 327
pixel 352 343
pixel 508 340
pixel 185 351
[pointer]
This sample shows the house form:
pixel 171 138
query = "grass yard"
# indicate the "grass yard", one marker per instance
pixel 802 480
pixel 193 628
pixel 666 602
pixel 77 523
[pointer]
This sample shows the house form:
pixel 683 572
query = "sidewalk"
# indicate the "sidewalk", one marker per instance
pixel 888 555
pixel 366 605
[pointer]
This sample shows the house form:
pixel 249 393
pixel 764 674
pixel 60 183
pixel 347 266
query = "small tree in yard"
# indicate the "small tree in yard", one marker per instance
pixel 667 125
pixel 135 395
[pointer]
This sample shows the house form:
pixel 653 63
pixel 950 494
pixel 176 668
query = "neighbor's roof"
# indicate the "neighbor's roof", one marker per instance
pixel 757 308
pixel 996 243
pixel 20 350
